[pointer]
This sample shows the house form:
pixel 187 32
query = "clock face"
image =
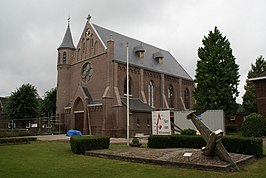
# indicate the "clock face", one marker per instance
pixel 86 72
pixel 88 32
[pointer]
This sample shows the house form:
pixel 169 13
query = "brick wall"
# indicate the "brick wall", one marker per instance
pixel 261 95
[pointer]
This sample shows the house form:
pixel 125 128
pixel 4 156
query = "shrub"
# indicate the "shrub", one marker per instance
pixel 135 143
pixel 254 126
pixel 242 145
pixel 231 128
pixel 80 144
pixel 188 132
pixel 16 133
pixel 176 141
pixel 17 140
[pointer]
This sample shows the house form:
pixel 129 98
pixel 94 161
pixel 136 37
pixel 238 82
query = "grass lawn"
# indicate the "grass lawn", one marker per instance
pixel 54 159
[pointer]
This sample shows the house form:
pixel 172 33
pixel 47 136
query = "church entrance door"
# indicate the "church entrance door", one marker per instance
pixel 79 115
pixel 79 121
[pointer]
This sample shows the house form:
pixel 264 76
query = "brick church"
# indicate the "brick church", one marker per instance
pixel 92 85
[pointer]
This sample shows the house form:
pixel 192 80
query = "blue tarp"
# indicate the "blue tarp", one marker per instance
pixel 73 132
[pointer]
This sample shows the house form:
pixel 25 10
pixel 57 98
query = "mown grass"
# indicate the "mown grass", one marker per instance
pixel 54 159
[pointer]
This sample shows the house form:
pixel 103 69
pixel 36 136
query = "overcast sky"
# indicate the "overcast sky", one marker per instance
pixel 31 31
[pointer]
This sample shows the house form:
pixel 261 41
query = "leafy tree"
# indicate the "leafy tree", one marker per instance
pixel 249 98
pixel 23 103
pixel 217 75
pixel 48 105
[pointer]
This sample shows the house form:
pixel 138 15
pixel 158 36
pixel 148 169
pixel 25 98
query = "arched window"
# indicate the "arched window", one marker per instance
pixel 151 93
pixel 95 47
pixel 58 57
pixel 64 57
pixel 148 122
pixel 92 45
pixel 171 96
pixel 129 84
pixel 88 47
pixel 186 98
pixel 138 122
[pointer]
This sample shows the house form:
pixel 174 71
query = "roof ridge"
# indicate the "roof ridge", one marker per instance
pixel 132 38
pixel 170 66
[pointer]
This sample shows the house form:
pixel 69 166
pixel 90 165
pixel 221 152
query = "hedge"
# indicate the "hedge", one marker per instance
pixel 80 144
pixel 241 145
pixel 244 145
pixel 188 132
pixel 4 134
pixel 16 140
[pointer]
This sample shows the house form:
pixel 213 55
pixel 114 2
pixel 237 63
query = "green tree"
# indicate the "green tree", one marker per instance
pixel 249 98
pixel 23 103
pixel 48 105
pixel 217 75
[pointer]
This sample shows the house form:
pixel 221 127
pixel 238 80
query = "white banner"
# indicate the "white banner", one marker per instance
pixel 161 124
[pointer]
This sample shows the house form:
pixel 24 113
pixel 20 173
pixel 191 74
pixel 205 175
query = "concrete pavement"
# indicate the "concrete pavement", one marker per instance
pixel 63 137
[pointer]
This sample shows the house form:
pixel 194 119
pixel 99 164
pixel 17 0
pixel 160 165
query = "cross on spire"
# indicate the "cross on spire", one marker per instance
pixel 89 17
pixel 68 20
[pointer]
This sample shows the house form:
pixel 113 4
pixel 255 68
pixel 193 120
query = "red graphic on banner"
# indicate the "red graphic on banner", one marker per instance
pixel 157 123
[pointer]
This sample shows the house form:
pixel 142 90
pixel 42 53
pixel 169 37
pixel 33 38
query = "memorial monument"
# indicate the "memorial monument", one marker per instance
pixel 212 138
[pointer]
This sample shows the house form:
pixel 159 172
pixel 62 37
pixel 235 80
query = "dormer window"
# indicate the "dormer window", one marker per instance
pixel 158 56
pixel 160 60
pixel 141 54
pixel 139 50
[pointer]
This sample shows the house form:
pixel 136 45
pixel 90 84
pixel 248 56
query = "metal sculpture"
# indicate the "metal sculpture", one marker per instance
pixel 212 138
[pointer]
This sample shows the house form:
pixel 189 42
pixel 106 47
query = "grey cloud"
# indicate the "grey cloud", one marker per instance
pixel 32 30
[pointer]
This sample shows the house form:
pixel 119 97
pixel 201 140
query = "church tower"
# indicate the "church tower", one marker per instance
pixel 65 56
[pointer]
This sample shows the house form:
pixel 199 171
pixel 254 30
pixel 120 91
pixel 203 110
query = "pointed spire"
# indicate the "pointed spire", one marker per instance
pixel 67 41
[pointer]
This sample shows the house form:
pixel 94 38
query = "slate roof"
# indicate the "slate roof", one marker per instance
pixel 88 95
pixel 136 105
pixel 90 99
pixel 67 40
pixel 170 65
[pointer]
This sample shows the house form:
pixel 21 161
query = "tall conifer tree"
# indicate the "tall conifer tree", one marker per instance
pixel 249 98
pixel 217 75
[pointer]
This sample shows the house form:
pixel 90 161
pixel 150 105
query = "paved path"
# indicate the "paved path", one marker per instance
pixel 63 137
pixel 52 137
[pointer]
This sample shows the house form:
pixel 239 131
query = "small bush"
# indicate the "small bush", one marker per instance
pixel 188 132
pixel 135 143
pixel 80 144
pixel 254 126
